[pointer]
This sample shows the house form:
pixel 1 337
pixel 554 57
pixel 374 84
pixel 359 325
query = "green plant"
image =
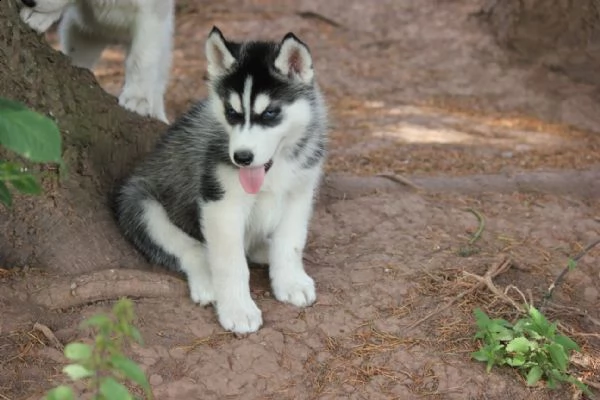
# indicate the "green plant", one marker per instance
pixel 532 345
pixel 32 136
pixel 103 364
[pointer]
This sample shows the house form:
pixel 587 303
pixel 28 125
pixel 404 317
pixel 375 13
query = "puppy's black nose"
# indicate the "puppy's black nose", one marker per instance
pixel 243 157
pixel 29 3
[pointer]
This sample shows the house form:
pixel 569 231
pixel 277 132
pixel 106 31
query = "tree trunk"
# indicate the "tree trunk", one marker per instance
pixel 564 35
pixel 70 228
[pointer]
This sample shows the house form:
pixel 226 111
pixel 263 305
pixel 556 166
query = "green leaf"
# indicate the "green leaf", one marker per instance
pixel 29 133
pixel 113 390
pixel 500 333
pixel 5 196
pixel 567 343
pixel 480 355
pixel 77 371
pixel 540 323
pixel 516 361
pixel 27 184
pixel 558 355
pixel 131 370
pixel 481 319
pixel 78 351
pixel 136 335
pixel 571 264
pixel 518 345
pixel 97 321
pixel 61 392
pixel 534 375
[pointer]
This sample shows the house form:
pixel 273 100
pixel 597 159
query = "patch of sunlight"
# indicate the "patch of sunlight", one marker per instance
pixel 420 134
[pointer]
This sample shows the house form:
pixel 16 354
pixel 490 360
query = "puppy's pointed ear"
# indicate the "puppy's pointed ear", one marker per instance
pixel 294 59
pixel 218 55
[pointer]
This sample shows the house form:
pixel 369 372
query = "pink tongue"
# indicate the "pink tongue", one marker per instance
pixel 252 178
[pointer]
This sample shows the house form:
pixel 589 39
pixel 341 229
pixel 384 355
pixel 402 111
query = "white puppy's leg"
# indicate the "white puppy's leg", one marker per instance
pixel 43 14
pixel 84 48
pixel 290 283
pixel 163 70
pixel 190 253
pixel 223 228
pixel 144 61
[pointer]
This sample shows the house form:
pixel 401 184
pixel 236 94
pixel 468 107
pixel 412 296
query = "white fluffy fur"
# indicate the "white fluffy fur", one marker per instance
pixel 238 226
pixel 145 27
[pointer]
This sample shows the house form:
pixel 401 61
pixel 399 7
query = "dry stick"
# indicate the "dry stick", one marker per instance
pixel 502 266
pixel 561 276
pixel 401 180
pixel 492 288
pixel 481 226
pixel 47 332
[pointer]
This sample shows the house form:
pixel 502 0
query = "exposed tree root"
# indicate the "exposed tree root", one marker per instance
pixel 107 285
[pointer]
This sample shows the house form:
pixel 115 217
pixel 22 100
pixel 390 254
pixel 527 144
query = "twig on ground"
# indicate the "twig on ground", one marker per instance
pixel 320 17
pixel 480 228
pixel 470 248
pixel 500 267
pixel 48 334
pixel 573 310
pixel 401 180
pixel 562 275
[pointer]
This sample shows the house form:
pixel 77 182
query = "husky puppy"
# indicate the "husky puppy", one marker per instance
pixel 235 177
pixel 145 27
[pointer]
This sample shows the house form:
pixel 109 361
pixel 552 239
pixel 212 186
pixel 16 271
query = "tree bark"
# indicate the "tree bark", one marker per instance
pixel 70 228
pixel 564 35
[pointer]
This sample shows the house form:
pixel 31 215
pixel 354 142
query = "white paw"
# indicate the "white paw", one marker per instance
pixel 39 21
pixel 134 99
pixel 141 103
pixel 241 316
pixel 296 288
pixel 202 293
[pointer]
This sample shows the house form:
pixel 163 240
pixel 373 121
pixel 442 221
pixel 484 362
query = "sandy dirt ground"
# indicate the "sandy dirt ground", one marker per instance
pixel 417 89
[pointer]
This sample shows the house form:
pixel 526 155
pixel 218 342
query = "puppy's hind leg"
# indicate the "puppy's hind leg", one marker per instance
pixel 163 70
pixel 82 47
pixel 189 252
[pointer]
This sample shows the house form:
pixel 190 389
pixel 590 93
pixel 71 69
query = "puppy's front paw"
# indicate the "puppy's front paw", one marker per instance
pixel 202 293
pixel 296 288
pixel 39 21
pixel 239 316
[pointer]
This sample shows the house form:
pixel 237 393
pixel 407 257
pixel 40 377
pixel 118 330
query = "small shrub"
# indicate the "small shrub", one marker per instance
pixel 532 345
pixel 103 365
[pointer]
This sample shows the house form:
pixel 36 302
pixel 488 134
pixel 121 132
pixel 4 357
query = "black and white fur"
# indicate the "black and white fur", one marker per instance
pixel 145 27
pixel 184 206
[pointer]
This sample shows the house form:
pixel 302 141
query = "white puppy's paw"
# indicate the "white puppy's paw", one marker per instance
pixel 39 21
pixel 141 102
pixel 137 100
pixel 296 288
pixel 202 293
pixel 242 316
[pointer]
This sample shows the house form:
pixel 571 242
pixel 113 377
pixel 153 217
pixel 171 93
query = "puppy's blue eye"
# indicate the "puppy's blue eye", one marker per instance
pixel 230 111
pixel 271 113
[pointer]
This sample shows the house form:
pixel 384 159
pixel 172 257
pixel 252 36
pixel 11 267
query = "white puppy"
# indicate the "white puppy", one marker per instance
pixel 145 27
